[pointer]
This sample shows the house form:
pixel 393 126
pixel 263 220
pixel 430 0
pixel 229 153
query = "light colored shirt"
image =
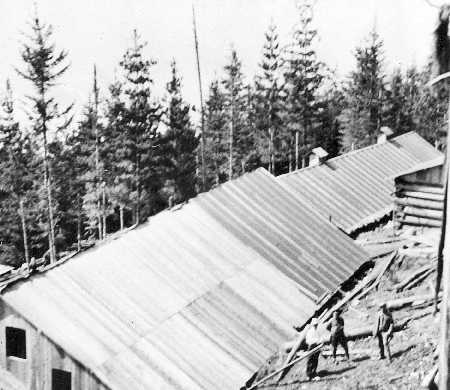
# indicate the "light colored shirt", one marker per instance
pixel 312 336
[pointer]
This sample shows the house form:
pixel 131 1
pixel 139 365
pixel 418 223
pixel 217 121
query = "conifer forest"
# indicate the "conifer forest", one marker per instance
pixel 68 181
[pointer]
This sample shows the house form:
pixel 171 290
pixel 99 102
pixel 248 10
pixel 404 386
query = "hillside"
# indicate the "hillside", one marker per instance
pixel 412 347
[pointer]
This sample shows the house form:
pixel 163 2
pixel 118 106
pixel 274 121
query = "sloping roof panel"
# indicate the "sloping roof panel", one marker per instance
pixel 199 296
pixel 355 189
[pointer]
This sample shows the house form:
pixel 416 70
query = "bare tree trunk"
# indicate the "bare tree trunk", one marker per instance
pixel 243 166
pixel 24 231
pixel 104 210
pixel 230 167
pixel 138 190
pixel 290 161
pixel 47 183
pixel 121 217
pixel 270 150
pixel 99 222
pixel 296 149
pixel 79 231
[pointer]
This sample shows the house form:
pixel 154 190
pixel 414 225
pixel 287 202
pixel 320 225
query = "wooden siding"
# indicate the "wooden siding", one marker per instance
pixel 419 198
pixel 43 355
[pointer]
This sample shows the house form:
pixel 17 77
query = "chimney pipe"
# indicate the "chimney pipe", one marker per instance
pixel 317 156
pixel 385 134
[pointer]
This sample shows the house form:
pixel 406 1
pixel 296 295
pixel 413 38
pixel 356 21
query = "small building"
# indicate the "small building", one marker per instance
pixel 196 298
pixel 419 196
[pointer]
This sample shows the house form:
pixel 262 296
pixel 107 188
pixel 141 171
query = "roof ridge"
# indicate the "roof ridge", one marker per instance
pixel 351 153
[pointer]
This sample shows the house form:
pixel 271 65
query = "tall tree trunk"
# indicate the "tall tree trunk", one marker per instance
pixel 47 184
pixel 99 221
pixel 104 210
pixel 230 167
pixel 296 149
pixel 271 150
pixel 121 216
pixel 290 161
pixel 24 230
pixel 138 191
pixel 79 228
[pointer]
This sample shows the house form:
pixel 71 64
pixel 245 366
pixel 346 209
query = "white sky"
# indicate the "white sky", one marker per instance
pixel 99 31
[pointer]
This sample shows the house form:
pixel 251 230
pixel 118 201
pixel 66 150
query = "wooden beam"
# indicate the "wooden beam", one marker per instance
pixel 265 379
pixel 409 220
pixel 422 213
pixel 421 195
pixel 420 203
pixel 421 188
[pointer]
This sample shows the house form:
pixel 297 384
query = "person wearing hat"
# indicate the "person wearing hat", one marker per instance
pixel 384 330
pixel 312 339
pixel 337 335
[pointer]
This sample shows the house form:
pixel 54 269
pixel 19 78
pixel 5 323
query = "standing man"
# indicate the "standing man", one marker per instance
pixel 337 335
pixel 312 339
pixel 384 330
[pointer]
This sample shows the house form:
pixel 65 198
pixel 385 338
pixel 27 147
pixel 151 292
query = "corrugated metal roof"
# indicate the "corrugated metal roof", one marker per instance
pixel 355 189
pixel 199 296
pixel 5 269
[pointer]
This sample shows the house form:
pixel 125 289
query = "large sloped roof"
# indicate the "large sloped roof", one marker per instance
pixel 355 189
pixel 199 296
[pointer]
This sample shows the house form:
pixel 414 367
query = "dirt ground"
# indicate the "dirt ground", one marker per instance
pixel 412 348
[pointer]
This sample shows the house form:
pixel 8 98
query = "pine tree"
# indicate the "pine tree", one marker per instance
pixel 180 143
pixel 43 67
pixel 234 91
pixel 269 102
pixel 142 115
pixel 327 132
pixel 94 202
pixel 365 96
pixel 16 181
pixel 216 136
pixel 115 156
pixel 303 80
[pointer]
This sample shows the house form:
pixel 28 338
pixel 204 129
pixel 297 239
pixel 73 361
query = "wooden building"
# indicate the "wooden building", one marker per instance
pixel 419 196
pixel 196 298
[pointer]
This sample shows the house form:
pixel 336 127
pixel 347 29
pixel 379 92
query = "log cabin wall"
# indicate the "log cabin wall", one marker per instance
pixel 419 198
pixel 42 365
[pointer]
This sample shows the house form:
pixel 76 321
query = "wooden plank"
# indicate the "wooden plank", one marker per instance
pixel 280 370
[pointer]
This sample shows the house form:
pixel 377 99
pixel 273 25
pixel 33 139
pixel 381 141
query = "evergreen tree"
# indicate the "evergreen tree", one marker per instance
pixel 327 133
pixel 269 105
pixel 141 115
pixel 234 91
pixel 365 94
pixel 216 136
pixel 43 67
pixel 16 181
pixel 115 156
pixel 431 108
pixel 303 80
pixel 180 143
pixel 94 202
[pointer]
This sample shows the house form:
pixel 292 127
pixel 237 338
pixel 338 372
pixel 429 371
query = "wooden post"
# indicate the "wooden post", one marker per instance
pixel 444 339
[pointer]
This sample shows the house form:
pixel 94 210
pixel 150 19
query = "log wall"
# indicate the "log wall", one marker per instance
pixel 419 199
